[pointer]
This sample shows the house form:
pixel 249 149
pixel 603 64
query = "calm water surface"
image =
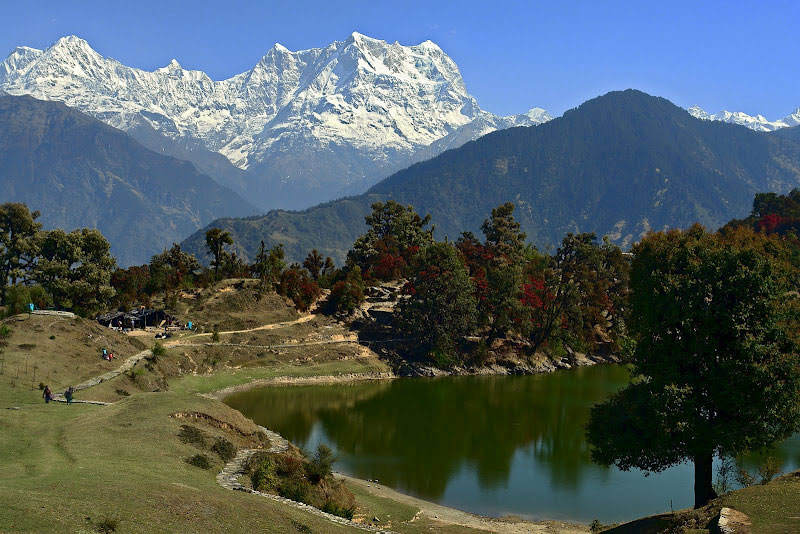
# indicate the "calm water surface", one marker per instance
pixel 492 445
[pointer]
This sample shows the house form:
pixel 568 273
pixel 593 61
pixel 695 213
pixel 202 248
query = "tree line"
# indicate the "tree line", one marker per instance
pixel 709 322
pixel 52 268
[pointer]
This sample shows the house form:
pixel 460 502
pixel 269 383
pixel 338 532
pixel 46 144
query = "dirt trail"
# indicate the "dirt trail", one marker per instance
pixel 271 326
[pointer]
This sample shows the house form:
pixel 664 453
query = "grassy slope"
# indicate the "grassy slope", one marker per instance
pixel 65 468
pixel 773 508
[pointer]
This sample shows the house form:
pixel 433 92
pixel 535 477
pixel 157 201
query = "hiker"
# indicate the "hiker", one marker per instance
pixel 47 395
pixel 68 394
pixel 110 356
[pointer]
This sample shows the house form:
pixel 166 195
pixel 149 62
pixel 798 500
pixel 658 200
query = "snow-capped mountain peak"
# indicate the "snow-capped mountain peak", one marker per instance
pixel 361 98
pixel 757 122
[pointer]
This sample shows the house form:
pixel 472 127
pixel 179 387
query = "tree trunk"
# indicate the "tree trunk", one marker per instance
pixel 703 472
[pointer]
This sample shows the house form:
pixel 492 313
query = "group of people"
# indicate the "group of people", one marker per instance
pixel 108 355
pixel 47 395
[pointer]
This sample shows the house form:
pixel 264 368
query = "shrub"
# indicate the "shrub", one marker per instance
pixel 193 435
pixel 320 467
pixel 725 474
pixel 224 449
pixel 199 460
pixel 301 528
pixel 215 336
pixel 296 489
pixel 19 296
pixel 5 331
pixel 348 294
pixel 159 350
pixel 107 525
pixel 135 373
pixel 336 509
pixel 263 477
pixel 298 286
pixel 52 337
pixel 122 393
pixel 744 478
pixel 768 468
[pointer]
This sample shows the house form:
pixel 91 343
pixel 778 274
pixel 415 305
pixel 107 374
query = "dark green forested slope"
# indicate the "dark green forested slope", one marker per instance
pixel 789 133
pixel 80 172
pixel 619 164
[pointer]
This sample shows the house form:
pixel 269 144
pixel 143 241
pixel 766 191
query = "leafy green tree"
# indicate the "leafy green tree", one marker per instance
pixel 19 296
pixel 234 266
pixel 320 466
pixel 328 267
pixel 395 232
pixel 441 306
pixel 216 240
pixel 18 243
pixel 314 264
pixel 503 252
pixel 504 240
pixel 172 269
pixel 75 269
pixel 269 265
pixel 716 366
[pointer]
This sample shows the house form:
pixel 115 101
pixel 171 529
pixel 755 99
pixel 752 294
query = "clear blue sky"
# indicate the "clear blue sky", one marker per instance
pixel 742 56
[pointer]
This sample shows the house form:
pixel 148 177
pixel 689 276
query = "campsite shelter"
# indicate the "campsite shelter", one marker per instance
pixel 138 318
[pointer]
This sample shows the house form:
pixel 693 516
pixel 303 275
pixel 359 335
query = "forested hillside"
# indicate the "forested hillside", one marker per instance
pixel 618 165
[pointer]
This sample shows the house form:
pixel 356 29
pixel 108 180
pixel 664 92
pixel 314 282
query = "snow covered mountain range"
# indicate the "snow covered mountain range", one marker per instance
pixel 758 123
pixel 301 127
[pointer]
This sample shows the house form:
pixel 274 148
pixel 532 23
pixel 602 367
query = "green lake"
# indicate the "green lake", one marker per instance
pixel 491 445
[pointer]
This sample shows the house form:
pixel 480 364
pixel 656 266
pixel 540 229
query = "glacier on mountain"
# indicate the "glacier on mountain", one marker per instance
pixel 305 125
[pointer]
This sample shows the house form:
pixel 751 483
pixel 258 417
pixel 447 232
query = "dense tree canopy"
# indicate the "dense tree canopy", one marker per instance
pixel 75 268
pixel 395 233
pixel 716 366
pixel 18 245
pixel 441 306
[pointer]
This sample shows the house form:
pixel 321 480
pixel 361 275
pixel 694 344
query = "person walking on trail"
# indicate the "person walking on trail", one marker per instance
pixel 68 394
pixel 47 395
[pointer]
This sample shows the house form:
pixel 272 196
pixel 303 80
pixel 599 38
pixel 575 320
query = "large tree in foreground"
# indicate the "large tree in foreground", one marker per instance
pixel 716 369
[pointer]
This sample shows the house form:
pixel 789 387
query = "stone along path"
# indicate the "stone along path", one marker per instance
pixel 228 478
pixel 126 366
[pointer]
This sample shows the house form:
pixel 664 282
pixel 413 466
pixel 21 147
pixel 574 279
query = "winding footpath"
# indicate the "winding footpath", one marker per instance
pixel 126 366
pixel 228 478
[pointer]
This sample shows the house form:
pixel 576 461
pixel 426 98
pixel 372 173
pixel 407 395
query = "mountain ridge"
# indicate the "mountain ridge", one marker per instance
pixel 619 165
pixel 81 172
pixel 303 125
pixel 758 123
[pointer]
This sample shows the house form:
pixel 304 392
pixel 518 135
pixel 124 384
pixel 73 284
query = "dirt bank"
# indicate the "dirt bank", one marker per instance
pixel 443 514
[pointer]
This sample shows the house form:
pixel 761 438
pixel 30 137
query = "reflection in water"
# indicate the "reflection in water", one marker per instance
pixel 491 445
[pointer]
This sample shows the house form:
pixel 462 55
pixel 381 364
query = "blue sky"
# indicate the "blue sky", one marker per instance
pixel 742 56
